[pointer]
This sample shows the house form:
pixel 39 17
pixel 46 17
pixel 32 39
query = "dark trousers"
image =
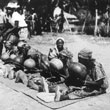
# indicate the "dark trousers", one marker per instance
pixel 1 47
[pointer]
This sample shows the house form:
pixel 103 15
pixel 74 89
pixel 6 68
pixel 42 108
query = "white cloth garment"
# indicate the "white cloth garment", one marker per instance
pixel 17 17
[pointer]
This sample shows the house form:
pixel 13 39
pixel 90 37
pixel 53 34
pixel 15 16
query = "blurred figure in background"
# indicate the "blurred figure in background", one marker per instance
pixel 15 19
pixel 2 19
pixel 2 26
pixel 61 21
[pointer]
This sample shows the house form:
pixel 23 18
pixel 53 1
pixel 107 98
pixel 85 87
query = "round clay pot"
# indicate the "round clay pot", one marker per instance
pixel 12 56
pixel 56 64
pixel 29 63
pixel 78 70
pixel 18 59
pixel 5 56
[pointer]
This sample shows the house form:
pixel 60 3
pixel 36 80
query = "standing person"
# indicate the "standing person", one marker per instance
pixel 61 21
pixel 2 19
pixel 38 25
pixel 2 24
pixel 34 16
pixel 16 20
pixel 95 82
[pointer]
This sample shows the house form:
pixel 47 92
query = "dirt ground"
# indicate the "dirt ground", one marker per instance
pixel 10 100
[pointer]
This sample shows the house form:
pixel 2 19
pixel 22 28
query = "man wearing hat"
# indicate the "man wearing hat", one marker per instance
pixel 15 20
pixel 96 78
pixel 95 82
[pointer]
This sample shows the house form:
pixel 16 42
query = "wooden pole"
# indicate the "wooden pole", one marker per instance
pixel 84 24
pixel 108 22
pixel 68 24
pixel 83 27
pixel 96 22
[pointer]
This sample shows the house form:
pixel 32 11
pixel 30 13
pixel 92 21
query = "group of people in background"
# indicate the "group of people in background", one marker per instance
pixel 35 22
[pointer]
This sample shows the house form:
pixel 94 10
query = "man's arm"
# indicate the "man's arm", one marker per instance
pixel 94 83
pixel 66 73
pixel 97 75
pixel 52 54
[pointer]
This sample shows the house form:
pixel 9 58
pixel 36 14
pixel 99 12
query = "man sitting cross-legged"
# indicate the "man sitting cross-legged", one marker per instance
pixel 94 83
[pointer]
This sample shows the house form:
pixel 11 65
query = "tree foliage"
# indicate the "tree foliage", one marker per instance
pixel 3 3
pixel 91 5
pixel 70 6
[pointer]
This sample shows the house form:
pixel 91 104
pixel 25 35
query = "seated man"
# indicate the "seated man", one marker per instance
pixel 96 78
pixel 59 52
pixel 95 82
pixel 54 53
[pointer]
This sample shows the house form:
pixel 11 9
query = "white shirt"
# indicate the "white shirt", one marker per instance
pixel 2 17
pixel 17 17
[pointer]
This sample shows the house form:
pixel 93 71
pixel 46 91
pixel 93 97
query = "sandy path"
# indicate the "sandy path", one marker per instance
pixel 12 100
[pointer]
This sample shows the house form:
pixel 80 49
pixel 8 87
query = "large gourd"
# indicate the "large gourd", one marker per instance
pixel 19 59
pixel 77 70
pixel 12 56
pixel 29 63
pixel 5 56
pixel 56 64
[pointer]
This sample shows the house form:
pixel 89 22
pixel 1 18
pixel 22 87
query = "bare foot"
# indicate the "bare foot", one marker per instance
pixel 57 94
